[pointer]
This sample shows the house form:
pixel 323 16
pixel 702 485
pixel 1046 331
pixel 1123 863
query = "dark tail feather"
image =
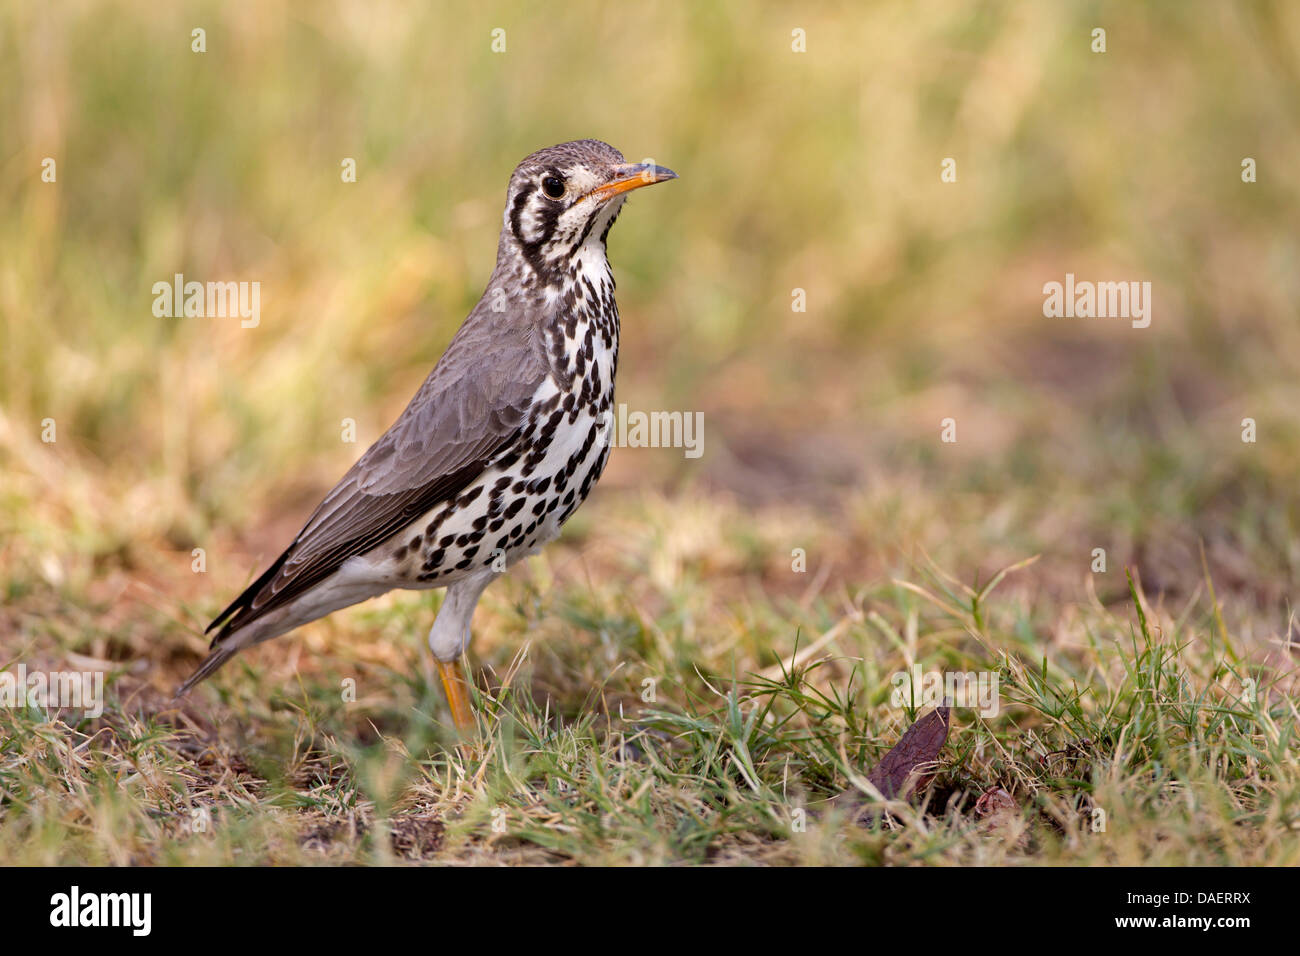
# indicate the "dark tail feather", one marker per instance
pixel 207 668
pixel 236 615
pixel 239 613
pixel 240 609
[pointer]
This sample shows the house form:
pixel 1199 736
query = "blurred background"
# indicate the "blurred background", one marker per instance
pixel 817 171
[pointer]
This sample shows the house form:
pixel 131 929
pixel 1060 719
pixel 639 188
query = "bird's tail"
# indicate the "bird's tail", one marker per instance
pixel 209 666
pixel 234 618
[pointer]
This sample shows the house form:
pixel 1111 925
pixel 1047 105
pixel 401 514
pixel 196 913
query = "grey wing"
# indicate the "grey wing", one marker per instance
pixel 470 408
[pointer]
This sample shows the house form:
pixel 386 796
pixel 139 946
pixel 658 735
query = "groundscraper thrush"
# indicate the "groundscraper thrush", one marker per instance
pixel 501 444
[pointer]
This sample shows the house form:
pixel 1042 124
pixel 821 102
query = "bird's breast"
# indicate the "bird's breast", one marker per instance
pixel 584 339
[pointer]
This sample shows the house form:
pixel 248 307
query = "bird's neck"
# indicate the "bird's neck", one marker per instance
pixel 583 325
pixel 571 300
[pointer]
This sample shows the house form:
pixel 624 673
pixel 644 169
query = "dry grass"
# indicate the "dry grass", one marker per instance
pixel 1147 716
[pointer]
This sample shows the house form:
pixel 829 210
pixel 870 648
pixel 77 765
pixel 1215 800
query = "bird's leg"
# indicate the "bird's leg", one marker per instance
pixel 456 685
pixel 448 639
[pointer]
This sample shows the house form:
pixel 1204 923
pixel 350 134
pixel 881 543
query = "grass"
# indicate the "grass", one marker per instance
pixel 1163 705
pixel 1129 734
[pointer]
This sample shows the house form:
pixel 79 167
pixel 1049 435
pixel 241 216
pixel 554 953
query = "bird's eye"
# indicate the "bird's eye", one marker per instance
pixel 554 187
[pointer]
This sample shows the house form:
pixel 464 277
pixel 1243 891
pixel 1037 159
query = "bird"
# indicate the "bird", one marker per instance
pixel 497 449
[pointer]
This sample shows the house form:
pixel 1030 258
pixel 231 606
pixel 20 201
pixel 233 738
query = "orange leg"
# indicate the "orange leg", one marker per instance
pixel 456 684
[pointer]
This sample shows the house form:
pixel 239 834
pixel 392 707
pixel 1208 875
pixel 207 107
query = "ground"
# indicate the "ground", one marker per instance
pixel 657 689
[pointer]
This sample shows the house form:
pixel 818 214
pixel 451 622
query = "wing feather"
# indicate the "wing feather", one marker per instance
pixel 470 409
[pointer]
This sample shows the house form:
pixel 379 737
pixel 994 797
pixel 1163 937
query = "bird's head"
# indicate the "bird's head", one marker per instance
pixel 567 196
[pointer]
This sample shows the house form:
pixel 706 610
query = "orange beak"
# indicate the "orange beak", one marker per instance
pixel 629 176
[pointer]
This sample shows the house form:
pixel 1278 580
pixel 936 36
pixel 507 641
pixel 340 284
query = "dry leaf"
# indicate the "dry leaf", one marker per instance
pixel 897 776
